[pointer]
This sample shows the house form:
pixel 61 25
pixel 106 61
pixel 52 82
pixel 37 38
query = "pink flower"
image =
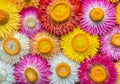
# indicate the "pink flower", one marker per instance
pixel 98 16
pixel 29 21
pixel 109 43
pixel 32 69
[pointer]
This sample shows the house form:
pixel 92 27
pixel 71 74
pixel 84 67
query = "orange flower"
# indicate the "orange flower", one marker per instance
pixel 61 16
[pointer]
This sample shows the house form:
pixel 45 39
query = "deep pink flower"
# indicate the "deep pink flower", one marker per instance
pixel 96 63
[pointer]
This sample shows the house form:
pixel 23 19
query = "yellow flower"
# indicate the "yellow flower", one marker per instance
pixel 9 18
pixel 118 13
pixel 118 71
pixel 78 45
pixel 27 3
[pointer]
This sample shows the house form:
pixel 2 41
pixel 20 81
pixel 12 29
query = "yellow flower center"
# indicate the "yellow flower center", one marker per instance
pixel 63 70
pixel 11 46
pixel 31 22
pixel 98 74
pixel 4 17
pixel 60 11
pixel 44 45
pixel 117 65
pixel 27 1
pixel 96 14
pixel 3 75
pixel 118 13
pixel 31 74
pixel 115 40
pixel 80 42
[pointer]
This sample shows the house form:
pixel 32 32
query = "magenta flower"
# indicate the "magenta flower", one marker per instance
pixel 29 21
pixel 97 70
pixel 32 69
pixel 98 16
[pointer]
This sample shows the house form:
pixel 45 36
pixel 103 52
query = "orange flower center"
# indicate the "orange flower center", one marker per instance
pixel 96 14
pixel 98 74
pixel 115 40
pixel 44 45
pixel 30 22
pixel 60 11
pixel 31 74
pixel 63 70
pixel 114 1
pixel 4 16
pixel 80 42
pixel 11 46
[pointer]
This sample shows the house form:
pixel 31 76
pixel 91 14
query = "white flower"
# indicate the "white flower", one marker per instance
pixel 64 71
pixel 6 73
pixel 13 48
